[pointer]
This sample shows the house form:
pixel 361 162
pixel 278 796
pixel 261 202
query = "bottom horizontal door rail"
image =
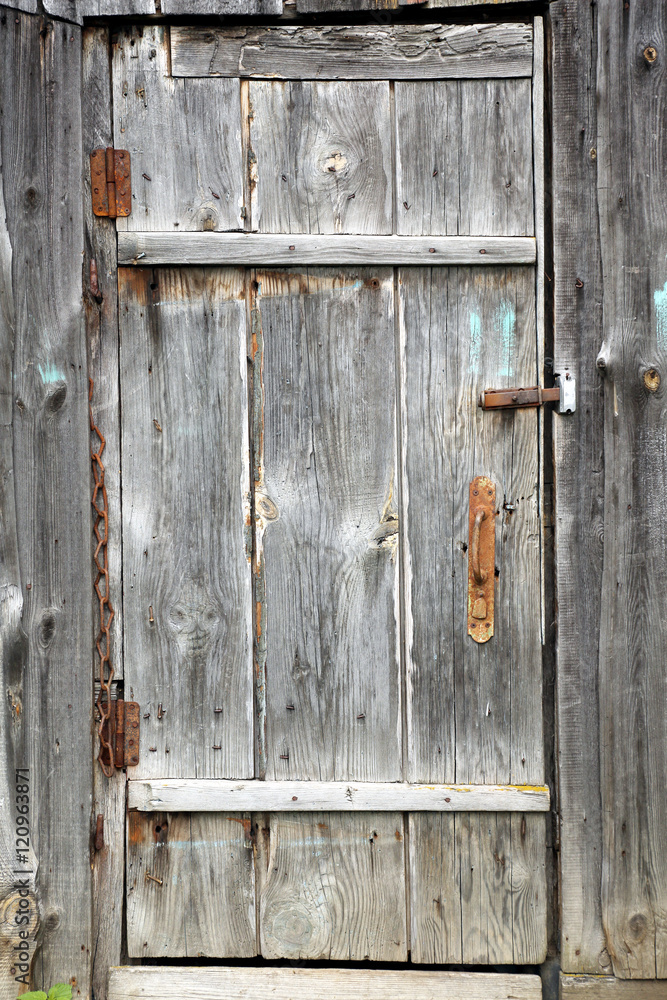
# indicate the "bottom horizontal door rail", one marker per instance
pixel 221 795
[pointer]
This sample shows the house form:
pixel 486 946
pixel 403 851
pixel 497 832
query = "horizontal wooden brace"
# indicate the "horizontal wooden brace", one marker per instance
pixel 238 983
pixel 221 795
pixel 267 250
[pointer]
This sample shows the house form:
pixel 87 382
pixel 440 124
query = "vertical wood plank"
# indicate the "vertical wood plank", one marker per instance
pixel 578 484
pixel 464 158
pixel 47 717
pixel 187 583
pixel 332 886
pixel 190 886
pixel 463 330
pixel 632 143
pixel 326 524
pixel 321 157
pixel 184 138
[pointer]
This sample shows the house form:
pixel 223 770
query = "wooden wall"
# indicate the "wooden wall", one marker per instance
pixel 609 287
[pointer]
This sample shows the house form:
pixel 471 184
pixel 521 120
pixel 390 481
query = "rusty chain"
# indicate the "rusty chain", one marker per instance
pixel 103 642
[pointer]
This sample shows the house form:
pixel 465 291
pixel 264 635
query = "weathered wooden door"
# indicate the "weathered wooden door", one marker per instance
pixel 335 244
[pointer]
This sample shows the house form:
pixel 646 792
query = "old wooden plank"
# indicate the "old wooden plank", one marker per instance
pixel 325 481
pixel 609 988
pixel 319 6
pixel 46 666
pixel 464 158
pixel 184 138
pixel 207 794
pixel 331 886
pixel 462 330
pixel 539 184
pixel 241 8
pixel 355 52
pixel 76 10
pixel 267 250
pixel 190 886
pixel 187 584
pixel 320 984
pixel 632 140
pixel 321 157
pixel 578 485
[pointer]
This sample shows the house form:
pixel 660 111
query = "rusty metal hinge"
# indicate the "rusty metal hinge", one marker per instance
pixel 563 393
pixel 111 183
pixel 121 733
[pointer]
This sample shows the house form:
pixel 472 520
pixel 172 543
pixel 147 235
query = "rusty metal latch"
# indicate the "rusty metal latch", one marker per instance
pixel 481 558
pixel 111 182
pixel 121 733
pixel 563 393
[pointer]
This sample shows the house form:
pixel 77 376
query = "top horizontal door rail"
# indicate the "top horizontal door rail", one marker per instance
pixel 358 52
pixel 268 250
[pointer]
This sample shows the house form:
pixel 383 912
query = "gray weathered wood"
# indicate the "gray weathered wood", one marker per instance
pixel 108 863
pixel 76 10
pixel 474 711
pixel 200 898
pixel 632 140
pixel 478 890
pixel 332 886
pixel 608 988
pixel 464 158
pixel 321 6
pixel 538 115
pixel 268 250
pixel 321 156
pixel 184 138
pixel 325 484
pixel 235 983
pixel 46 715
pixel 208 794
pixel 187 588
pixel 579 485
pixel 355 52
pixel 242 8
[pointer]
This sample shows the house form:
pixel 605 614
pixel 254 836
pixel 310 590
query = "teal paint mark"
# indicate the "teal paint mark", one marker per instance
pixel 50 374
pixel 475 340
pixel 660 300
pixel 505 324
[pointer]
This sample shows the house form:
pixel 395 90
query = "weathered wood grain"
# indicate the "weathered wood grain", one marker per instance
pixel 242 8
pixel 321 157
pixel 355 52
pixel 609 988
pixel 199 900
pixel 332 886
pixel 319 984
pixel 187 585
pixel 474 711
pixel 326 524
pixel 47 687
pixel 321 6
pixel 76 10
pixel 209 794
pixel 578 484
pixel 464 158
pixel 266 250
pixel 632 200
pixel 101 316
pixel 478 889
pixel 184 139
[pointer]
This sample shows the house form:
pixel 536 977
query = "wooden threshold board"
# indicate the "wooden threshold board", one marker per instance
pixel 267 249
pixel 220 795
pixel 174 983
pixel 355 52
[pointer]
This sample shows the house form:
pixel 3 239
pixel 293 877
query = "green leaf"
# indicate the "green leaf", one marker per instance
pixel 61 991
pixel 35 995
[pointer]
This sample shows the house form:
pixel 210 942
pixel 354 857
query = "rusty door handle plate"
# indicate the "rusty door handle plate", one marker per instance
pixel 481 558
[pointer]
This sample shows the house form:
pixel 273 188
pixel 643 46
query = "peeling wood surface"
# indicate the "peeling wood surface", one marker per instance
pixel 268 250
pixel 320 984
pixel 186 572
pixel 47 692
pixel 332 886
pixel 326 492
pixel 184 138
pixel 355 52
pixel 190 886
pixel 464 158
pixel 178 795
